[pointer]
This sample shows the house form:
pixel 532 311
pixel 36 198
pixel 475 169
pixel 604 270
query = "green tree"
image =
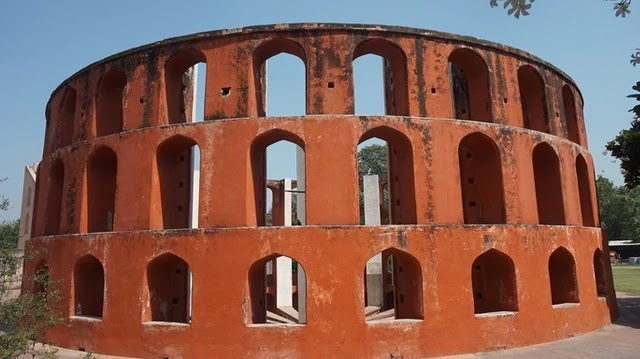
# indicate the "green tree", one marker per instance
pixel 25 318
pixel 626 146
pixel 619 210
pixel 518 8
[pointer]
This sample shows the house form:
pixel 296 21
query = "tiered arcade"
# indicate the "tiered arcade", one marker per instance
pixel 494 228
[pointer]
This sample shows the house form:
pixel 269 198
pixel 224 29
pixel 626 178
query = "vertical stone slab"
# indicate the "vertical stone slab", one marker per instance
pixel 287 201
pixel 284 291
pixel 372 217
pixel 301 198
pixel 302 295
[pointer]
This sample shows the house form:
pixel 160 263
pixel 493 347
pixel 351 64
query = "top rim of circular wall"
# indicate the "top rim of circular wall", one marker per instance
pixel 313 26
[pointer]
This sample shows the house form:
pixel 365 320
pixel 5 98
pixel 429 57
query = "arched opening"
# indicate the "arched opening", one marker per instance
pixel 102 167
pixel 469 79
pixel 278 289
pixel 481 180
pixel 278 164
pixel 67 117
pixel 392 286
pixel 546 172
pixel 181 78
pixel 54 199
pixel 88 287
pixel 533 98
pixel 600 273
pixel 394 72
pixel 170 285
pixel 570 114
pixel 369 85
pixel 399 182
pixel 178 173
pixel 109 102
pixel 584 188
pixel 494 283
pixel 276 83
pixel 562 275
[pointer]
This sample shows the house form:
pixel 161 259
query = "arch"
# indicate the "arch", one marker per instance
pixel 67 117
pixel 584 189
pixel 533 99
pixel 109 112
pixel 562 277
pixel 546 173
pixel 102 168
pixel 261 54
pixel 278 295
pixel 481 180
pixel 570 114
pixel 396 87
pixel 179 84
pixel 469 79
pixel 176 175
pixel 259 166
pixel 393 286
pixel 599 271
pixel 88 286
pixel 169 288
pixel 54 198
pixel 400 173
pixel 493 277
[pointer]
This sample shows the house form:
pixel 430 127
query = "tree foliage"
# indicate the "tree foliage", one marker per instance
pixel 619 210
pixel 517 8
pixel 626 146
pixel 372 160
pixel 25 318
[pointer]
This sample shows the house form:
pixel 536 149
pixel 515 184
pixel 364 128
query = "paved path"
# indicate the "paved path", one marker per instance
pixel 620 341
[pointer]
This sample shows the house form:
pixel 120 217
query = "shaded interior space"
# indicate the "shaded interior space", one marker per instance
pixel 109 102
pixel 279 72
pixel 395 201
pixel 600 273
pixel 88 285
pixel 584 189
pixel 179 173
pixel 394 76
pixel 169 286
pixel 181 85
pixel 102 167
pixel 546 173
pixel 469 81
pixel 278 290
pixel 54 198
pixel 562 275
pixel 67 117
pixel 392 286
pixel 494 285
pixel 533 99
pixel 481 180
pixel 279 201
pixel 570 114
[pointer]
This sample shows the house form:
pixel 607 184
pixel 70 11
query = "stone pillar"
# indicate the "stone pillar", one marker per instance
pixel 287 202
pixel 284 293
pixel 373 269
pixel 302 295
pixel 301 188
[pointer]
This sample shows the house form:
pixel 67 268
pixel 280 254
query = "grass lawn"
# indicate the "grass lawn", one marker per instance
pixel 626 278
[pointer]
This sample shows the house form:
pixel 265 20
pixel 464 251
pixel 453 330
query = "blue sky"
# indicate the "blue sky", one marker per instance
pixel 44 42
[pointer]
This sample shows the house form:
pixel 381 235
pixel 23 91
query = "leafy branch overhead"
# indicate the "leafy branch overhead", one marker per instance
pixel 522 7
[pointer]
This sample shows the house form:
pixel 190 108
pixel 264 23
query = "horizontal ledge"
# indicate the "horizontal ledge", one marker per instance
pixel 82 318
pixel 165 324
pixel 504 313
pixel 565 305
pixel 276 325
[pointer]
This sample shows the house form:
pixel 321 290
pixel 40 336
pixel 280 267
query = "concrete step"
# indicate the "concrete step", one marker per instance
pixel 386 315
pixel 274 318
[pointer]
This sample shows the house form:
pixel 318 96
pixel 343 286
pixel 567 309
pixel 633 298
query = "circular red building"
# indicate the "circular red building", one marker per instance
pixel 491 237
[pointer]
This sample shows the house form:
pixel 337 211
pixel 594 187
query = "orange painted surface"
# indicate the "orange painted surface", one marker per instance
pixel 115 179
